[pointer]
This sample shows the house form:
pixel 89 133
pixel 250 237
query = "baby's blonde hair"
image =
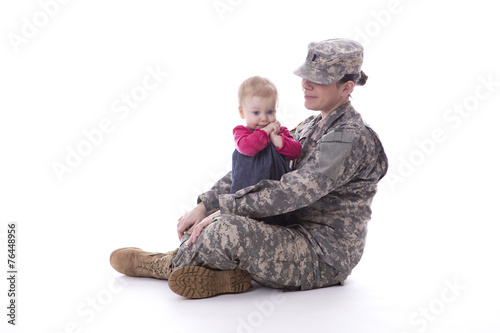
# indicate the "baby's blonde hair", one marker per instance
pixel 257 86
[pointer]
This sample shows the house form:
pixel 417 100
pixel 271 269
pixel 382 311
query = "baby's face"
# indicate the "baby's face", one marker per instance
pixel 258 112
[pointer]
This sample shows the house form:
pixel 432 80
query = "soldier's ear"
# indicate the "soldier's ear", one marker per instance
pixel 348 87
pixel 240 109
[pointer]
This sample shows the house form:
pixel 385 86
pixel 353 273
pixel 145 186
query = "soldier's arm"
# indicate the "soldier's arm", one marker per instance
pixel 210 198
pixel 333 163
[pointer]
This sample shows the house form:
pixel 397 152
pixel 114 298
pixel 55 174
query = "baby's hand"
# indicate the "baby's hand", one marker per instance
pixel 272 128
pixel 276 127
pixel 275 136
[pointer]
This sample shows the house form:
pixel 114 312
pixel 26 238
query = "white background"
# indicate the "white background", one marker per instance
pixel 431 261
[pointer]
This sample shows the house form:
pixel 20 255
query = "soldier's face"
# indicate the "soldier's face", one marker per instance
pixel 258 111
pixel 325 98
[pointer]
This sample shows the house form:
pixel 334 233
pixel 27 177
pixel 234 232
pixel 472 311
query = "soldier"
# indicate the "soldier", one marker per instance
pixel 329 191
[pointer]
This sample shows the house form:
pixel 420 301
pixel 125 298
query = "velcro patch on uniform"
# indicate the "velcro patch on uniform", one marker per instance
pixel 341 135
pixel 333 150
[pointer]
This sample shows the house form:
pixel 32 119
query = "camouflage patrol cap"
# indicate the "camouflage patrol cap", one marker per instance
pixel 329 60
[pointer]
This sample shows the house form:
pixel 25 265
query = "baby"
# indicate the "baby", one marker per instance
pixel 263 147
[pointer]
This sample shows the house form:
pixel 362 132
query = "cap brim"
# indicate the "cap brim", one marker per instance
pixel 315 75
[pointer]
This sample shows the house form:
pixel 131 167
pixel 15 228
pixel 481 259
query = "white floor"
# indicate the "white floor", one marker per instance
pixel 431 260
pixel 403 284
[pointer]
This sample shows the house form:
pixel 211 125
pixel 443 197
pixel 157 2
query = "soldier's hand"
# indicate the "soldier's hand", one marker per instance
pixel 191 218
pixel 196 230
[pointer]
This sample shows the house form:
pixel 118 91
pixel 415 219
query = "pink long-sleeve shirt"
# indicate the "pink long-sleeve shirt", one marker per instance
pixel 250 142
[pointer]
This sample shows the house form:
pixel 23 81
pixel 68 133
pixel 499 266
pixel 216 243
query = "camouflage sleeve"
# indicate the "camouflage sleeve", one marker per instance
pixel 211 198
pixel 332 163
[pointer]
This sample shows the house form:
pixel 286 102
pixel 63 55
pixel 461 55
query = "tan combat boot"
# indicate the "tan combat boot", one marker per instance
pixel 133 261
pixel 200 282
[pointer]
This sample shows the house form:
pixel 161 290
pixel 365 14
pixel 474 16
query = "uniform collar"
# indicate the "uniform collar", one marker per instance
pixel 321 125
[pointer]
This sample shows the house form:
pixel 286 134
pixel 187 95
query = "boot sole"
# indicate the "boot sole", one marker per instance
pixel 200 282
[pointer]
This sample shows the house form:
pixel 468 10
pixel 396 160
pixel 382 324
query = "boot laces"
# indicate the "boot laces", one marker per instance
pixel 159 266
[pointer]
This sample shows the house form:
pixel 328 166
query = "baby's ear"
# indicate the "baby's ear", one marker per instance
pixel 242 115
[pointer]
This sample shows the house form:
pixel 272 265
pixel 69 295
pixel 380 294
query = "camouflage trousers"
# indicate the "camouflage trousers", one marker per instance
pixel 275 256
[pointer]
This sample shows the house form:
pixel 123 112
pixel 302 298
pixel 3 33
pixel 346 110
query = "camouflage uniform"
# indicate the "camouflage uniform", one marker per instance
pixel 329 192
